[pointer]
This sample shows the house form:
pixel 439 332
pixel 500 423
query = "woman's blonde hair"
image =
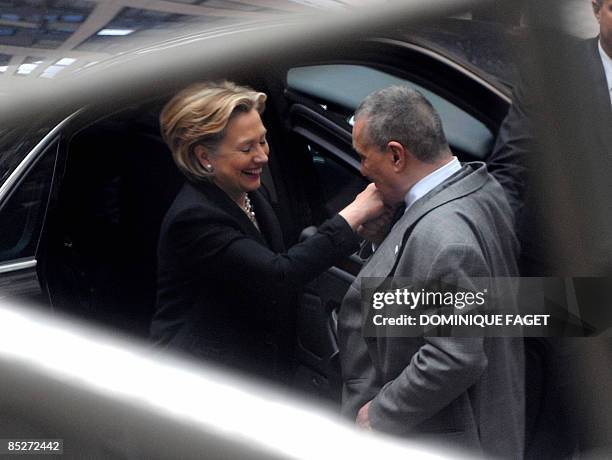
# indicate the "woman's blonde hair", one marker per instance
pixel 198 115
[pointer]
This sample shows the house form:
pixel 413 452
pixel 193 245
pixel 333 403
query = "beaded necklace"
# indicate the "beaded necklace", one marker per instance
pixel 248 210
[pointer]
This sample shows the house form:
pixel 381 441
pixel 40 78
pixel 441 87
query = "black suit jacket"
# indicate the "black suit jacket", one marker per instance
pixel 585 102
pixel 583 93
pixel 226 291
pixel 600 95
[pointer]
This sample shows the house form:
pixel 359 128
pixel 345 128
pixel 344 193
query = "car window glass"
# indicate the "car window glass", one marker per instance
pixel 347 85
pixel 21 217
pixel 338 184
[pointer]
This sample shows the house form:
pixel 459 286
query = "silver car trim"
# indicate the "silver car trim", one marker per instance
pixel 16 266
pixel 446 61
pixel 32 156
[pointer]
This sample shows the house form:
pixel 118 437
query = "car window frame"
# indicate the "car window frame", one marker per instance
pixel 52 140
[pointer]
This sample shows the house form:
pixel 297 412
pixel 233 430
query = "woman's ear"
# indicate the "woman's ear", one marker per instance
pixel 201 155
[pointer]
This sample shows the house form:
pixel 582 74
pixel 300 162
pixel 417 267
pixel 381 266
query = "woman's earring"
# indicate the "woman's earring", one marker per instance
pixel 209 168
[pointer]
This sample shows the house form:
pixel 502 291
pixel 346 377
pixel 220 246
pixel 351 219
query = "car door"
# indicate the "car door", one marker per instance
pixel 321 97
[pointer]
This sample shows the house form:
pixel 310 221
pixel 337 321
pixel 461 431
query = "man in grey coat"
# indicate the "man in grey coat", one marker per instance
pixel 457 225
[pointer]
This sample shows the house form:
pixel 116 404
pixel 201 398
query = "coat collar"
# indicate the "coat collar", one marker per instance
pixel 217 197
pixel 470 178
pixel 597 73
pixel 600 99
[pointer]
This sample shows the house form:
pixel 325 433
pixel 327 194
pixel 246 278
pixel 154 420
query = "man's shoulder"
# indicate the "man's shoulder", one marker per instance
pixel 451 223
pixel 581 52
pixel 472 193
pixel 586 45
pixel 458 220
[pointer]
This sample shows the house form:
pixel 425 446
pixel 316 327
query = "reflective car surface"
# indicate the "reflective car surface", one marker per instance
pixel 75 392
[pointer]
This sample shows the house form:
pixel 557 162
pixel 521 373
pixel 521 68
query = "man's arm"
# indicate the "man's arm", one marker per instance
pixel 508 162
pixel 439 372
pixel 444 367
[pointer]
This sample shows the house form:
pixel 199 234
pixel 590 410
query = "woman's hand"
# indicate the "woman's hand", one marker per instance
pixel 376 230
pixel 366 206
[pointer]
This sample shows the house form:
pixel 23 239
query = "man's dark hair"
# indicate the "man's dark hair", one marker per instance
pixel 402 114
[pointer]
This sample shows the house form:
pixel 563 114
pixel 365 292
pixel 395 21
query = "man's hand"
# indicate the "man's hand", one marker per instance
pixel 363 420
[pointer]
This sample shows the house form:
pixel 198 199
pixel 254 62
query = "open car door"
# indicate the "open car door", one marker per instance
pixel 320 101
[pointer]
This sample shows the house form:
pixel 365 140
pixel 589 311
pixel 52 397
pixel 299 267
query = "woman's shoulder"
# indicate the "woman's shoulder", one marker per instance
pixel 193 203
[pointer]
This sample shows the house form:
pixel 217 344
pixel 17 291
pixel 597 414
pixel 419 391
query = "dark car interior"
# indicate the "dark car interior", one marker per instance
pixel 119 181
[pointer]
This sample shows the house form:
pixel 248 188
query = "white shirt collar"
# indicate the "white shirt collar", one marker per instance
pixel 431 181
pixel 607 65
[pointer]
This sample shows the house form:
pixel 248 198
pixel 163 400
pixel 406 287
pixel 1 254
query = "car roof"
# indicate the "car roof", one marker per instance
pixel 487 49
pixel 153 33
pixel 166 59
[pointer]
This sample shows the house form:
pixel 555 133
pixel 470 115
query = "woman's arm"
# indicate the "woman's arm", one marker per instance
pixel 215 248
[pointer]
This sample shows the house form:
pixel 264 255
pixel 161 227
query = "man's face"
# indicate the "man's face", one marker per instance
pixel 375 164
pixel 603 14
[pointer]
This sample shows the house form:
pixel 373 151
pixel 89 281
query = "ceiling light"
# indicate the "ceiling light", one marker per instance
pixel 65 61
pixel 52 71
pixel 115 32
pixel 25 69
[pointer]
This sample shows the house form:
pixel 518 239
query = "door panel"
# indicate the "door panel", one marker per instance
pixel 337 181
pixel 317 351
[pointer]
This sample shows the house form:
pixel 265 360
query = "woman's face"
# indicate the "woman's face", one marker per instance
pixel 240 156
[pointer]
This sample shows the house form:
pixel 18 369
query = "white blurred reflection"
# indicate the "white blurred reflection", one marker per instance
pixel 115 32
pixel 65 61
pixel 201 396
pixel 52 71
pixel 578 18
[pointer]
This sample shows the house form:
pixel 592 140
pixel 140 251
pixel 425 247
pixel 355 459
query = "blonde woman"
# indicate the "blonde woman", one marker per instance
pixel 226 284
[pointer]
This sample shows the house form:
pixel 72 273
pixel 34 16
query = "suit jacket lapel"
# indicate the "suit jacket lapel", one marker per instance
pixel 597 76
pixel 267 221
pixel 469 178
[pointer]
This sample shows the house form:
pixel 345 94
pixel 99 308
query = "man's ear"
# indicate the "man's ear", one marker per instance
pixel 201 155
pixel 596 9
pixel 399 155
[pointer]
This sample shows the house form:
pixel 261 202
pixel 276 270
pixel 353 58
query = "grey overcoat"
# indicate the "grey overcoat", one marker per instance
pixel 466 391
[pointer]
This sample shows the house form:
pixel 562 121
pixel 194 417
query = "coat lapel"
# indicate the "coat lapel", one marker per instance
pixel 218 197
pixel 597 77
pixel 267 221
pixel 470 178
